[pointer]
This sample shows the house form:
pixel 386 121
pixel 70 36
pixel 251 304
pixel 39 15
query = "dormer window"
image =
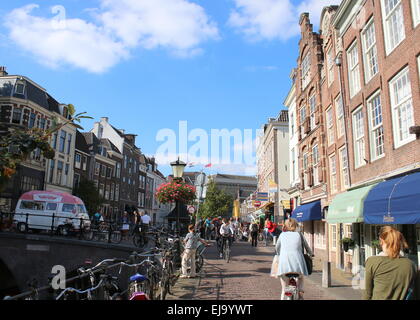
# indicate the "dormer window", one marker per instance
pixel 65 112
pixel 20 87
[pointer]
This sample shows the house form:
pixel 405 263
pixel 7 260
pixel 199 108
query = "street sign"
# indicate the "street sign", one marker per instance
pixel 262 196
pixel 257 204
pixel 191 209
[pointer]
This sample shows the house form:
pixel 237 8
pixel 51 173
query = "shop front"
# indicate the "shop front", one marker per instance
pixel 396 202
pixel 345 217
pixel 307 214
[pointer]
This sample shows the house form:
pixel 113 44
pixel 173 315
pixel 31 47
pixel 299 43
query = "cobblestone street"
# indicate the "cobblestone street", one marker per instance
pixel 245 277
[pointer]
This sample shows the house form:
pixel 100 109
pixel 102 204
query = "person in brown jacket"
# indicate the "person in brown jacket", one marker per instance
pixel 390 275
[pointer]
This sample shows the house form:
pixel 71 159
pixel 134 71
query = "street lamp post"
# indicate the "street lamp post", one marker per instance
pixel 178 170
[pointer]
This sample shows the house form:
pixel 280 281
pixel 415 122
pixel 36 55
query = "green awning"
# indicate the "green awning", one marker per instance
pixel 347 207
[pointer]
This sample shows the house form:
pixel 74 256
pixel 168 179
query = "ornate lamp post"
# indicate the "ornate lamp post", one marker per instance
pixel 178 170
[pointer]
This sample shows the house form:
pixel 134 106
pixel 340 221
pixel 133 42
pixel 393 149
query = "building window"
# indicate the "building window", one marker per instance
pixel 344 164
pixel 333 232
pixel 32 119
pixel 393 20
pixel 369 51
pixel 333 174
pixel 302 120
pixel 69 137
pixel 312 104
pixel 305 168
pixel 376 127
pixel 17 115
pixel 107 189
pixel 111 196
pixel 77 161
pixel 330 63
pixel 20 88
pixel 52 165
pixel 59 172
pixel 118 171
pixel 359 138
pixel 315 159
pixel 339 108
pixel 108 172
pixel 54 141
pixel 103 171
pixel 84 163
pixel 402 108
pixel 415 7
pixel 42 123
pixel 62 141
pixel 330 126
pixel 117 192
pixel 101 189
pixel 353 69
pixel 66 174
pixel 97 168
pixel 305 70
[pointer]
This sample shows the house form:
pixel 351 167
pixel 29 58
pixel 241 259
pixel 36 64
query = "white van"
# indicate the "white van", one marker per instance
pixel 40 210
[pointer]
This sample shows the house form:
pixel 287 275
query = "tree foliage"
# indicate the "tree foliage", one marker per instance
pixel 217 203
pixel 87 191
pixel 17 144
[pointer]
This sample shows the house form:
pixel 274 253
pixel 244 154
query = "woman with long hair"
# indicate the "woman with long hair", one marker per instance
pixel 390 275
pixel 290 255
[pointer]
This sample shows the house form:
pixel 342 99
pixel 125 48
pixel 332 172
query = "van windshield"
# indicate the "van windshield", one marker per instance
pixel 82 208
pixel 32 205
pixel 69 208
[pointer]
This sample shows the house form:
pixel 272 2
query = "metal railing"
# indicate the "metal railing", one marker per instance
pixel 56 224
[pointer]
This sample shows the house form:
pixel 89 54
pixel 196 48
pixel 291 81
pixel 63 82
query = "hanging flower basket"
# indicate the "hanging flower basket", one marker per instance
pixel 175 191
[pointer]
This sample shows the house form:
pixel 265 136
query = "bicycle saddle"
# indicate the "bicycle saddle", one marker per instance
pixel 292 275
pixel 138 277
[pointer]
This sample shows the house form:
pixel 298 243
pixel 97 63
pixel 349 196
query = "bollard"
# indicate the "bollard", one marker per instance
pixel 326 274
pixel 274 240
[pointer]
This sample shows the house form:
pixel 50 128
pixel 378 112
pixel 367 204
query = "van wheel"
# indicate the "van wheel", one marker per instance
pixel 63 230
pixel 22 227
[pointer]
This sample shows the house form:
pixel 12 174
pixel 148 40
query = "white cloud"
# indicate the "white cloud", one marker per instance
pixel 79 43
pixel 121 26
pixel 273 19
pixel 178 25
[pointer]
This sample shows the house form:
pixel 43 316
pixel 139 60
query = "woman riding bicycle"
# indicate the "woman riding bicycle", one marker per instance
pixel 290 255
pixel 226 232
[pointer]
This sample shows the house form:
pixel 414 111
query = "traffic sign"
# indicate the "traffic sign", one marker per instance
pixel 257 204
pixel 191 209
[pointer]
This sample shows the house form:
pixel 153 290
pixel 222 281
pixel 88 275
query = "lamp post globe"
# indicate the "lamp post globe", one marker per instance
pixel 178 168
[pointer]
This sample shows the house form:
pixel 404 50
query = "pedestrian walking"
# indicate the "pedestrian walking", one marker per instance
pixel 208 225
pixel 125 225
pixel 254 233
pixel 390 275
pixel 290 255
pixel 190 247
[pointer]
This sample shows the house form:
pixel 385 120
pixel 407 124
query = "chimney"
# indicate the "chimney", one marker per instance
pixel 3 71
pixel 104 119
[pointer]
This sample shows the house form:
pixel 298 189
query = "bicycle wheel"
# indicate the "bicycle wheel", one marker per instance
pixel 199 263
pixel 116 237
pixel 227 251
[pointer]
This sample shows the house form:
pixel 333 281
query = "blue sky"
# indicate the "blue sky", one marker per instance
pixel 148 64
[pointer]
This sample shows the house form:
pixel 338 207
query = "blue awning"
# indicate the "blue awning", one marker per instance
pixel 308 212
pixel 395 201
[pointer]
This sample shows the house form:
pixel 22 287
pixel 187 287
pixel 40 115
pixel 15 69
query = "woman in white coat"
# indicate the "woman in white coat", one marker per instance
pixel 290 254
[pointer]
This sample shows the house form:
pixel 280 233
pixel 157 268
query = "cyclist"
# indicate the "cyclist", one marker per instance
pixel 227 232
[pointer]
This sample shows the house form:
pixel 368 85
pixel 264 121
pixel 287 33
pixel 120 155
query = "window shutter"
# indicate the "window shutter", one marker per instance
pixel 311 177
pixel 302 181
pixel 306 125
pixel 318 115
